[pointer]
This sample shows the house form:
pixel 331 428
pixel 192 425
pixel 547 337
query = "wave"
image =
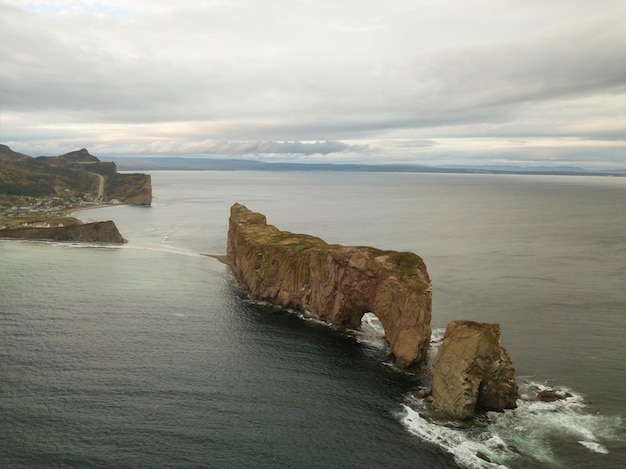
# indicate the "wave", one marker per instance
pixel 162 247
pixel 84 245
pixel 528 433
pixel 371 333
pixel 532 435
pixel 436 337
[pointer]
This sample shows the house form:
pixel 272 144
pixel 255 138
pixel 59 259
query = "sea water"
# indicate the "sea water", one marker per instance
pixel 150 354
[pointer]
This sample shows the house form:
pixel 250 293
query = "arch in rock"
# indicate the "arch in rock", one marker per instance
pixel 334 283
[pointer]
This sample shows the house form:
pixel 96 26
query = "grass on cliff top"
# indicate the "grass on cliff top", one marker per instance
pixel 269 234
pixel 256 226
pixel 408 265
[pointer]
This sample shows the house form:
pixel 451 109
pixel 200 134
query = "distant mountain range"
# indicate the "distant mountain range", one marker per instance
pixel 222 164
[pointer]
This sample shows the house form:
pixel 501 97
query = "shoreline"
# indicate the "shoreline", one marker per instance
pixel 72 211
pixel 66 221
pixel 92 232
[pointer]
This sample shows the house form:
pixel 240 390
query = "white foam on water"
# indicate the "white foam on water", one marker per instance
pixel 84 245
pixel 513 436
pixel 140 247
pixel 436 337
pixel 371 332
pixel 467 451
pixel 596 447
pixel 370 322
pixel 162 248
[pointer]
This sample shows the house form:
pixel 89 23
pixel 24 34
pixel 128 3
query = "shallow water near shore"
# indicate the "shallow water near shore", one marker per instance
pixel 149 355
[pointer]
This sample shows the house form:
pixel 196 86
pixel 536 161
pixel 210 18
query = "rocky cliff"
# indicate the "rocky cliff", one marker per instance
pixel 131 189
pixel 334 283
pixel 472 371
pixel 98 232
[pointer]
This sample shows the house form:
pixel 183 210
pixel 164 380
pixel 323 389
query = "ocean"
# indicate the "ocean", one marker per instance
pixel 150 355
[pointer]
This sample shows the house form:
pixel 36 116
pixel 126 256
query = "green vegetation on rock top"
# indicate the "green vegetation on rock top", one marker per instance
pixel 407 266
pixel 256 226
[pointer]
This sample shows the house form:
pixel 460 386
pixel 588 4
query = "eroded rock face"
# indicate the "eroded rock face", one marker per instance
pixel 334 283
pixel 98 232
pixel 130 189
pixel 472 371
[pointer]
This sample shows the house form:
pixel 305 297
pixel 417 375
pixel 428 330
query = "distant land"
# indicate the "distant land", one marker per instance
pixel 223 164
pixel 37 195
pixel 77 177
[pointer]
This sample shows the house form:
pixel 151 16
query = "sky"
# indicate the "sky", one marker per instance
pixel 434 82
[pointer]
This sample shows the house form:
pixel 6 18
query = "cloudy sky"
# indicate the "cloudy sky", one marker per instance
pixel 418 81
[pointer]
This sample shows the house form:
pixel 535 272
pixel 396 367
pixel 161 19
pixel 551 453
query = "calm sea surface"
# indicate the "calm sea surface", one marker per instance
pixel 150 355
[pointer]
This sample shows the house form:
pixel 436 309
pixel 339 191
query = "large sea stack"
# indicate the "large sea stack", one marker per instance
pixel 472 371
pixel 334 283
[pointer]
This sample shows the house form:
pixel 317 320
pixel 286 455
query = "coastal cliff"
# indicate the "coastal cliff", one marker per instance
pixel 98 232
pixel 129 189
pixel 334 283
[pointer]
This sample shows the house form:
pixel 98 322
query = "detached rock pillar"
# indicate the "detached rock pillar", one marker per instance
pixel 472 371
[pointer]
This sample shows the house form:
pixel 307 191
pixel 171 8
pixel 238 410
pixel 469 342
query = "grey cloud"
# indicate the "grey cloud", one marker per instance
pixel 264 81
pixel 455 84
pixel 266 147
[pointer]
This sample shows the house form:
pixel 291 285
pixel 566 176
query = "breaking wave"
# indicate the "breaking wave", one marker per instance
pixel 371 333
pixel 514 437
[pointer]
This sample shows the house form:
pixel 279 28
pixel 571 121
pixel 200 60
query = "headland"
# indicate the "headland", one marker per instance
pixel 38 195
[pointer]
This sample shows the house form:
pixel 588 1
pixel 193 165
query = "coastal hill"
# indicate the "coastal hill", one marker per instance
pixel 74 174
pixel 37 195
